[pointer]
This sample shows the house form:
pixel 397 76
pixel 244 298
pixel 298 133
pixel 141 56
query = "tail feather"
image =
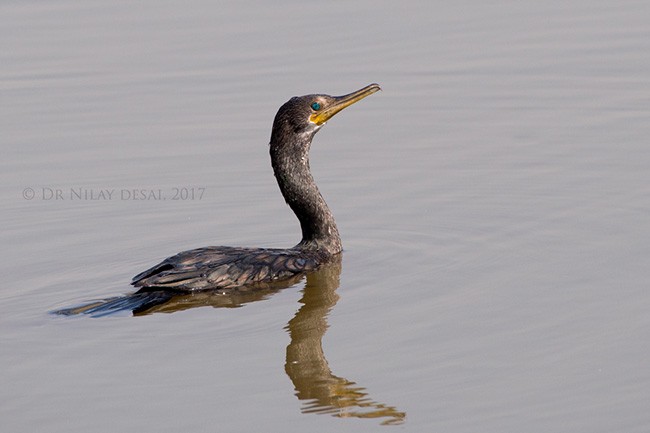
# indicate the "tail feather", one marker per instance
pixel 136 302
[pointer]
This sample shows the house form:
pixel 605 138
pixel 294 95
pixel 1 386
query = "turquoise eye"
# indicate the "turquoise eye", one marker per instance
pixel 315 106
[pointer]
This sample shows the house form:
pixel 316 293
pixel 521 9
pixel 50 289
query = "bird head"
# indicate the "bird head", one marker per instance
pixel 307 114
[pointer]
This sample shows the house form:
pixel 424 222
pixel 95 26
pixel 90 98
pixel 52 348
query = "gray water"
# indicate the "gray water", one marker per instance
pixel 494 203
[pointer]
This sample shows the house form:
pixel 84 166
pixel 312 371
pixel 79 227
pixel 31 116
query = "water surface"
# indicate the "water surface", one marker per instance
pixel 493 202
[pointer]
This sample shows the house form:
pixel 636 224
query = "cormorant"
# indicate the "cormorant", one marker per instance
pixel 224 268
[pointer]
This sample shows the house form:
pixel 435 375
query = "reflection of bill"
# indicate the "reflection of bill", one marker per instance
pixel 322 391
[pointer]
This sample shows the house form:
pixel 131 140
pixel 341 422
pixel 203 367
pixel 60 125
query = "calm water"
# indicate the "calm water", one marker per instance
pixel 494 202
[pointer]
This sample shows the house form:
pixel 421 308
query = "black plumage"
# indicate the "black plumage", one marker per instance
pixel 224 268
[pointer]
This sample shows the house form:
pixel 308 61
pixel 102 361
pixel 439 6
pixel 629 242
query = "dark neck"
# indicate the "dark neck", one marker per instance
pixel 290 161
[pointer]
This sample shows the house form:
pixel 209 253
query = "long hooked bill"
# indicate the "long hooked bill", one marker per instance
pixel 340 102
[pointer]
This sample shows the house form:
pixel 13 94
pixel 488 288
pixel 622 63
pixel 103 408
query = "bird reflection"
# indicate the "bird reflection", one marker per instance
pixel 316 385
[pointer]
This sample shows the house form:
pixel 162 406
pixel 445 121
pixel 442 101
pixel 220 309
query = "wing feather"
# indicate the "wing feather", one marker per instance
pixel 226 268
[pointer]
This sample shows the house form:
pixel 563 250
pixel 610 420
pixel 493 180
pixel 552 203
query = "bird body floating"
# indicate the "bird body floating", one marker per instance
pixel 222 268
